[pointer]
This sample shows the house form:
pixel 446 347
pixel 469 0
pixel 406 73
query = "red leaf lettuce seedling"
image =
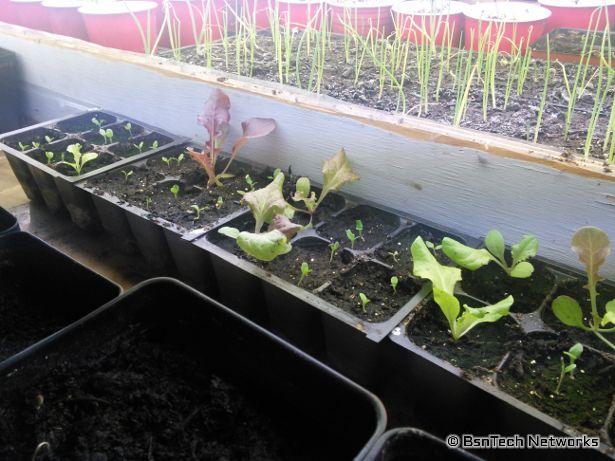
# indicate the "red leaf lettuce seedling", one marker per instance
pixel 592 246
pixel 473 259
pixel 215 119
pixel 443 280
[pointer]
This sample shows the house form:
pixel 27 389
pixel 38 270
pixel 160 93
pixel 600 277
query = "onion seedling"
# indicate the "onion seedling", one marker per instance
pixel 198 210
pixel 127 175
pixel 573 355
pixel 79 159
pixel 334 247
pixel 364 302
pixel 175 190
pixel 473 259
pixel 305 271
pixel 394 282
pixel 351 237
pixel 592 246
pixel 107 135
pixel 49 156
pixel 128 127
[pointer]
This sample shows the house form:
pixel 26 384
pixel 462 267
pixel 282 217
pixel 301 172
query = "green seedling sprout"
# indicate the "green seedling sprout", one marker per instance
pixel 79 159
pixel 127 175
pixel 305 271
pixel 359 228
pixel 334 247
pixel 394 282
pixel 154 145
pixel 351 237
pixel 167 160
pixel 219 202
pixel 107 135
pixel 148 202
pixel 573 355
pixel 250 182
pixel 36 145
pixel 198 210
pixel 98 123
pixel 394 255
pixel 49 156
pixel 48 139
pixel 128 127
pixel 364 302
pixel 592 246
pixel 23 147
pixel 473 259
pixel 139 147
pixel 175 190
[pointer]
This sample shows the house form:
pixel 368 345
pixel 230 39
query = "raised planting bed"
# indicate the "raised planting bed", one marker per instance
pixel 49 158
pixel 42 291
pixel 517 106
pixel 8 222
pixel 134 381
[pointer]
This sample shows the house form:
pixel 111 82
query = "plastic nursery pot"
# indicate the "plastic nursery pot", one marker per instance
pixel 31 14
pixel 8 222
pixel 518 24
pixel 256 392
pixel 418 21
pixel 54 184
pixel 65 19
pixel 579 14
pixel 361 17
pixel 126 25
pixel 43 291
pixel 188 25
pixel 301 13
pixel 411 443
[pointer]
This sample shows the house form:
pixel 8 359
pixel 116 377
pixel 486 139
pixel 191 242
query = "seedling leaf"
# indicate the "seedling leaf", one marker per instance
pixel 426 266
pixel 465 256
pixel 568 311
pixel 592 246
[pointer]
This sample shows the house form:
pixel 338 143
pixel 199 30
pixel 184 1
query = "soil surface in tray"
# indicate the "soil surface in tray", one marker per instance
pixel 377 224
pixel 517 120
pixel 575 290
pixel 491 284
pixel 84 122
pixel 137 398
pixel 478 352
pixel 531 374
pixel 374 281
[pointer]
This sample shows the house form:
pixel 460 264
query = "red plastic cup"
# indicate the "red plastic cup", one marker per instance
pixel 7 13
pixel 301 13
pixel 64 18
pixel 187 20
pixel 581 14
pixel 414 19
pixel 114 24
pixel 519 23
pixel 362 17
pixel 31 14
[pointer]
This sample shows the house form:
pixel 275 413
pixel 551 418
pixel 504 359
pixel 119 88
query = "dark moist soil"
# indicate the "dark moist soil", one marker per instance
pixel 317 254
pixel 491 284
pixel 84 122
pixel 136 398
pixel 131 148
pixel 569 41
pixel 478 352
pixel 377 225
pixel 25 315
pixel 575 290
pixel 374 281
pixel 532 372
pixel 517 120
pixel 35 136
pixel 155 179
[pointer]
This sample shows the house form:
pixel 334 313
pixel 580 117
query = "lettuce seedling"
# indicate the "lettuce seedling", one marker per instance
pixel 128 127
pixel 79 159
pixel 473 259
pixel 148 202
pixel 23 147
pixel 394 255
pixel 215 119
pixel 98 123
pixel 443 280
pixel 107 135
pixel 139 147
pixel 573 355
pixel 175 190
pixel 334 247
pixel 336 172
pixel 127 174
pixel 364 302
pixel 250 182
pixel 36 145
pixel 351 237
pixel 49 139
pixel 592 247
pixel 198 210
pixel 219 202
pixel 305 271
pixel 394 283
pixel 359 227
pixel 49 157
pixel 154 145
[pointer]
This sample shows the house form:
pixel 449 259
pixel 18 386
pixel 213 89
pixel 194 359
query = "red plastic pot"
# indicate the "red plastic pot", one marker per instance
pixel 519 23
pixel 362 16
pixel 7 13
pixel 443 20
pixel 187 19
pixel 31 14
pixel 301 13
pixel 112 24
pixel 580 14
pixel 64 18
pixel 256 12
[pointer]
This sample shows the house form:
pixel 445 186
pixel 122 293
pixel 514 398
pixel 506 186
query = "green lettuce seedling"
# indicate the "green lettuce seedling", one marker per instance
pixel 198 210
pixel 592 247
pixel 98 123
pixel 219 202
pixel 148 202
pixel 107 135
pixel 305 271
pixel 359 228
pixel 250 182
pixel 36 145
pixel 79 159
pixel 351 237
pixel 443 280
pixel 394 283
pixel 128 127
pixel 334 247
pixel 473 259
pixel 127 175
pixel 154 146
pixel 175 190
pixel 364 302
pixel 394 255
pixel 49 139
pixel 139 147
pixel 23 147
pixel 573 355
pixel 49 157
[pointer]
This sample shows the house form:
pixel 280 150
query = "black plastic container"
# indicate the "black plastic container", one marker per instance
pixel 45 283
pixel 8 222
pixel 408 443
pixel 55 189
pixel 337 418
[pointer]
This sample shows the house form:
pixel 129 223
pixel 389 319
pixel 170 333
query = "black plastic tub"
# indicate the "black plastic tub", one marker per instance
pixel 25 150
pixel 8 222
pixel 43 291
pixel 310 408
pixel 408 443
